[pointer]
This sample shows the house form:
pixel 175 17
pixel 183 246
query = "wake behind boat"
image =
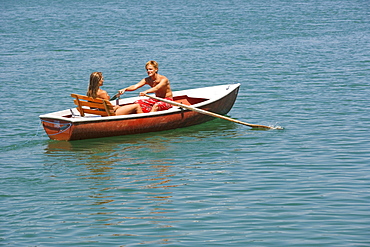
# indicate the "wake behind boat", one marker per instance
pixel 70 124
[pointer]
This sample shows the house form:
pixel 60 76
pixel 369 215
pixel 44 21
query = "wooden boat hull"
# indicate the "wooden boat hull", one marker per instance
pixel 70 128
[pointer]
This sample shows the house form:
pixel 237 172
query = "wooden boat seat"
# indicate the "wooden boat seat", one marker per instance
pixel 90 105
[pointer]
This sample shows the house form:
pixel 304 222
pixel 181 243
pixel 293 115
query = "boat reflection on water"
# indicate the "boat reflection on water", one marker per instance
pixel 130 182
pixel 119 176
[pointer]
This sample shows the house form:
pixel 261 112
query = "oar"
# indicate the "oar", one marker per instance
pixel 254 126
pixel 114 97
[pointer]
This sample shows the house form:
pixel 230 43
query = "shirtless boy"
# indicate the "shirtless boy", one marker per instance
pixel 159 85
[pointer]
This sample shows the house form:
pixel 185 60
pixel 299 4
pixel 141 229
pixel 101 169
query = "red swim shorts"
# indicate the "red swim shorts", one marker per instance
pixel 147 104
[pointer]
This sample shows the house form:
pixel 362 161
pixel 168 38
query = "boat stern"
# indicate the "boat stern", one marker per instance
pixel 57 128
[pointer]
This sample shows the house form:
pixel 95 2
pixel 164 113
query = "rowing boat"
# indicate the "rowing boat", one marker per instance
pixel 69 125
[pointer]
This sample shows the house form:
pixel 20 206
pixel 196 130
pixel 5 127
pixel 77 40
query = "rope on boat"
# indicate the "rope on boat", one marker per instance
pixel 37 133
pixel 62 125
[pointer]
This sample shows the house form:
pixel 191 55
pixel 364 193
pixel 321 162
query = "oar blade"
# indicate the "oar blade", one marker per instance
pixel 263 127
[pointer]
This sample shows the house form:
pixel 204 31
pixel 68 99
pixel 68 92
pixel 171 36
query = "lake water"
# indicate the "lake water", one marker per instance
pixel 303 65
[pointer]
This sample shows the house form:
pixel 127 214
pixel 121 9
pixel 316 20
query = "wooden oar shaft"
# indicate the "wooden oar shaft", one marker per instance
pixel 208 113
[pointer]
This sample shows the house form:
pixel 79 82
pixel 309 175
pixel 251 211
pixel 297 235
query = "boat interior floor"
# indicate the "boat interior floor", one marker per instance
pixel 186 100
pixel 183 99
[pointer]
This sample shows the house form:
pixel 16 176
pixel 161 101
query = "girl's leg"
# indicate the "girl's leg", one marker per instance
pixel 129 109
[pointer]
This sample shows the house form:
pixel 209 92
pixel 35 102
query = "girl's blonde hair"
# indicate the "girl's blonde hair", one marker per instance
pixel 93 88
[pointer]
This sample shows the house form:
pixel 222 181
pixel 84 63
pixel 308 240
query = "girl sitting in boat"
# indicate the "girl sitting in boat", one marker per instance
pixel 94 90
pixel 159 84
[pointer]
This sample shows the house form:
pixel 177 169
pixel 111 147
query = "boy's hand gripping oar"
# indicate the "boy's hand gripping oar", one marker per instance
pixel 254 126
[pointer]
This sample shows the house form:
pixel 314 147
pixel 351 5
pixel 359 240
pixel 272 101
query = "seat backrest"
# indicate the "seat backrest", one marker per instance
pixel 95 106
